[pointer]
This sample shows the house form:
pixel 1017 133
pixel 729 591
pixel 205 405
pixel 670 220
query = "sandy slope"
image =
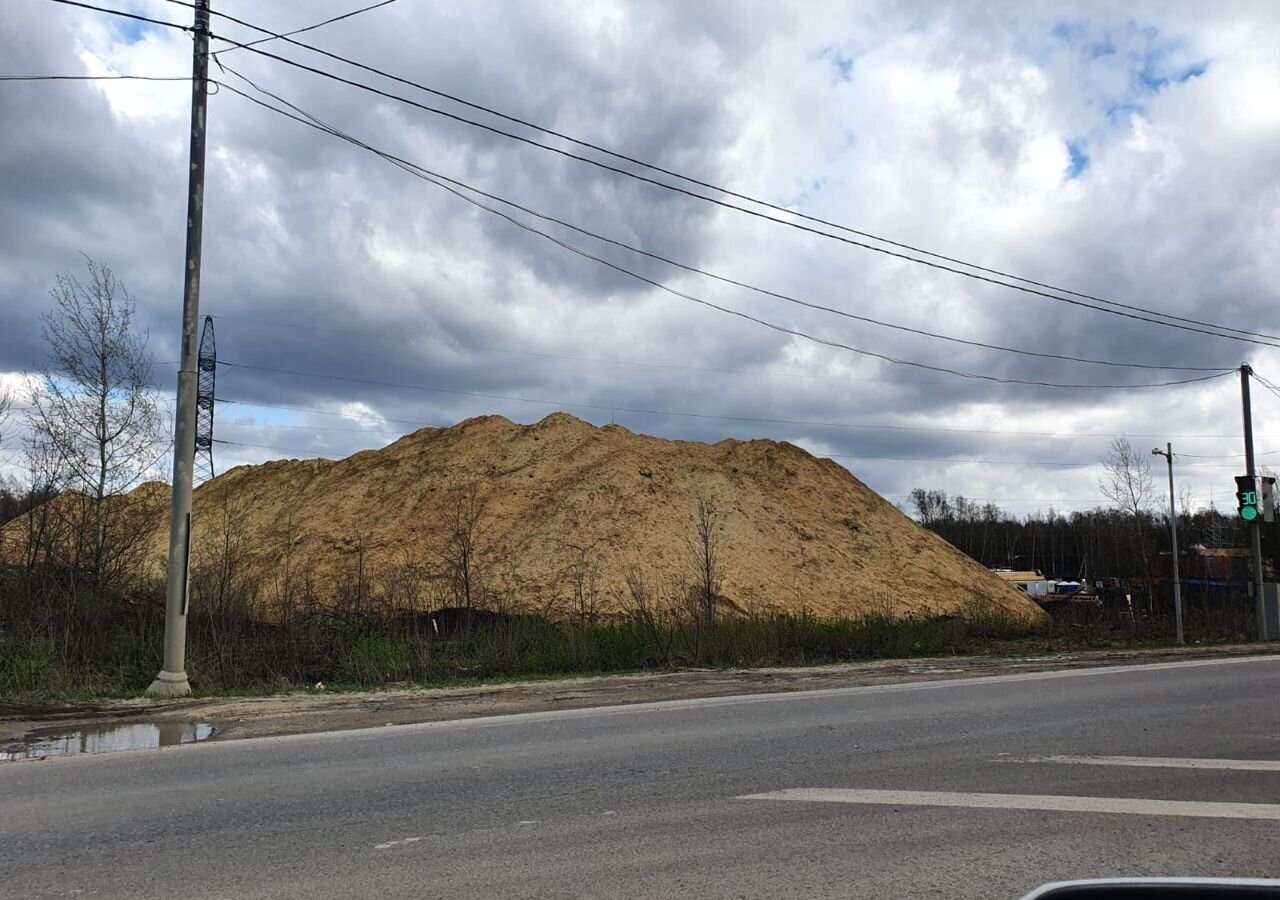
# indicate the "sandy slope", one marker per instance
pixel 798 532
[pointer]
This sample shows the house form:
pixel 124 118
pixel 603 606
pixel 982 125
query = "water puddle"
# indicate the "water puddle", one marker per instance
pixel 50 742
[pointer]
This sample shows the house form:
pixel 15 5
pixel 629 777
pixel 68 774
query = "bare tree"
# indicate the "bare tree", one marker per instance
pixel 583 576
pixel 708 532
pixel 6 406
pixel 93 409
pixel 659 621
pixel 461 553
pixel 931 507
pixel 1128 484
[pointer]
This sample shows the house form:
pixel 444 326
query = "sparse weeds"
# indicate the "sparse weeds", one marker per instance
pixel 108 645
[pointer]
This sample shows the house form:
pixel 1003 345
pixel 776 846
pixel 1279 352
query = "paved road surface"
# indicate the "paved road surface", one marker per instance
pixel 978 788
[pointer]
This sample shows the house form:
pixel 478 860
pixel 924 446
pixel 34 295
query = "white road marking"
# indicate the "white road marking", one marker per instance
pixel 1043 802
pixel 527 822
pixel 1157 762
pixel 389 844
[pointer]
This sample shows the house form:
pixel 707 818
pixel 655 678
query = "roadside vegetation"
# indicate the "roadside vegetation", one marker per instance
pixel 82 609
pixel 61 643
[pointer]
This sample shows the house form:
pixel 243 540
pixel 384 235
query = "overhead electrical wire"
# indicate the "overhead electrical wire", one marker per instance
pixel 95 77
pixel 670 173
pixel 312 451
pixel 419 171
pixel 1239 335
pixel 286 35
pixel 1023 463
pixel 320 126
pixel 1269 385
pixel 893 253
pixel 596 360
pixel 560 404
pixel 927 429
pixel 127 15
pixel 329 412
pixel 1273 388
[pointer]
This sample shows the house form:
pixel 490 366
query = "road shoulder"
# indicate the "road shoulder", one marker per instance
pixel 317 711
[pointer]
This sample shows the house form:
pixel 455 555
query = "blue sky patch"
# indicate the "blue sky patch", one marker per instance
pixel 842 63
pixel 1119 113
pixel 1152 78
pixel 132 31
pixel 1079 160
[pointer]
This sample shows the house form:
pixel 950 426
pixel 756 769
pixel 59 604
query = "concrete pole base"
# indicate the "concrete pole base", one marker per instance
pixel 169 685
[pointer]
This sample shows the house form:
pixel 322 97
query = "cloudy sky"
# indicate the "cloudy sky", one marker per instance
pixel 1126 151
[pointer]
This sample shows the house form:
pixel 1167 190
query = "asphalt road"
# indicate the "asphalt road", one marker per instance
pixel 943 789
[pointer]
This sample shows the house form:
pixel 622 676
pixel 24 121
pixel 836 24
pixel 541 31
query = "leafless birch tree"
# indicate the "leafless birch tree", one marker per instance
pixel 92 408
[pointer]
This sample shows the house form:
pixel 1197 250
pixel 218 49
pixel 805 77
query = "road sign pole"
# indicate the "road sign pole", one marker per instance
pixel 1255 527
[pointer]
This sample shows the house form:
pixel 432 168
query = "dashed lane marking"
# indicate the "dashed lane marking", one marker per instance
pixel 389 844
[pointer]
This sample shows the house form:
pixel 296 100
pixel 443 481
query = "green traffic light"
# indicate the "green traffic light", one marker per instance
pixel 1249 513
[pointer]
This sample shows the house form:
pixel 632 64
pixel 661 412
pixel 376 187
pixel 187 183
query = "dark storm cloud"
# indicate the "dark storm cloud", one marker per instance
pixel 953 132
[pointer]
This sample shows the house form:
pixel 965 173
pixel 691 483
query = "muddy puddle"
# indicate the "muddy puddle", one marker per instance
pixel 49 742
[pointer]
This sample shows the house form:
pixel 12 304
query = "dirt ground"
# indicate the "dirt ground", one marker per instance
pixel 317 711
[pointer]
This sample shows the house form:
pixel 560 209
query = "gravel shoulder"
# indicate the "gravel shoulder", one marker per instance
pixel 317 711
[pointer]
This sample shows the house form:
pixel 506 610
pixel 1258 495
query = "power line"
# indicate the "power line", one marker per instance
pixel 892 253
pixel 1179 455
pixel 95 77
pixel 267 447
pixel 1037 464
pixel 126 15
pixel 1269 385
pixel 604 407
pixel 329 412
pixel 632 160
pixel 327 429
pixel 287 34
pixel 703 302
pixel 382 420
pixel 453 345
pixel 869 426
pixel 1004 462
pixel 973 275
pixel 420 171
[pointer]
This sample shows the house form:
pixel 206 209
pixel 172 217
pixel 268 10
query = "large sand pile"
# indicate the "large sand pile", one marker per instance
pixel 563 496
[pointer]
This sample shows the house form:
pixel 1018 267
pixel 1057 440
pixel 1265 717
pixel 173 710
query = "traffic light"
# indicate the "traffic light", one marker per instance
pixel 1247 497
pixel 1267 497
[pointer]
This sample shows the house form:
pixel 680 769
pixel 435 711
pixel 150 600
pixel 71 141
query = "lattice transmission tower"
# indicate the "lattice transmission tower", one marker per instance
pixel 206 369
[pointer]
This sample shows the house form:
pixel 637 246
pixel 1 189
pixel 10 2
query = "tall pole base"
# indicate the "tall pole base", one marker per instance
pixel 169 685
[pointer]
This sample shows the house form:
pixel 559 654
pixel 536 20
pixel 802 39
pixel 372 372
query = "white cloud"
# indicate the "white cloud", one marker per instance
pixel 947 127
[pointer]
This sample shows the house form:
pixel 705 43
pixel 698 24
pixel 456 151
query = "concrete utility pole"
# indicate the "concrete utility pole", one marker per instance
pixel 1255 527
pixel 172 680
pixel 1167 453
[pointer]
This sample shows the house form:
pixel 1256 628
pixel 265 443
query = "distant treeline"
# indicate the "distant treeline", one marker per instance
pixel 1095 543
pixel 15 500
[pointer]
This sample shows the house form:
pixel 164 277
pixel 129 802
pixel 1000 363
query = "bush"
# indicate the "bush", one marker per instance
pixel 57 643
